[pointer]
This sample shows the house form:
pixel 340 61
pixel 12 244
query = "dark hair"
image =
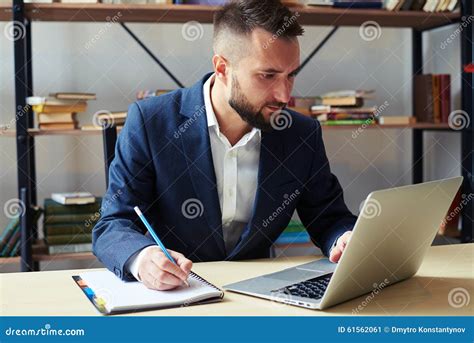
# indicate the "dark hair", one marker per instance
pixel 243 16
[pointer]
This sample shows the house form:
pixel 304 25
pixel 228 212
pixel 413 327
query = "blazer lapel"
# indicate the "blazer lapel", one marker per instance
pixel 197 148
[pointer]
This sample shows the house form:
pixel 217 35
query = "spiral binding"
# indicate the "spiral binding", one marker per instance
pixel 201 279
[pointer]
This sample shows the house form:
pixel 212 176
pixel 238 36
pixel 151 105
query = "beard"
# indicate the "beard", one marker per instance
pixel 252 116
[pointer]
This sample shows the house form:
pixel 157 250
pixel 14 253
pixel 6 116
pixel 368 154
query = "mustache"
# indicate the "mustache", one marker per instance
pixel 276 104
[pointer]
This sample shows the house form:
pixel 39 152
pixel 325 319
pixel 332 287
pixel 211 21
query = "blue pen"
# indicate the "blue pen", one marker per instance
pixel 155 237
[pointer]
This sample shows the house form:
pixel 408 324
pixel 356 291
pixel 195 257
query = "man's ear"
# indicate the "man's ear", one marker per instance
pixel 221 68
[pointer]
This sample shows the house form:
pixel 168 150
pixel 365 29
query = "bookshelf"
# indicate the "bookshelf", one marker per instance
pixel 95 132
pixel 25 134
pixel 160 13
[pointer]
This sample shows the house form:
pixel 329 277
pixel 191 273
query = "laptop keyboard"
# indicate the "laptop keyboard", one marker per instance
pixel 312 288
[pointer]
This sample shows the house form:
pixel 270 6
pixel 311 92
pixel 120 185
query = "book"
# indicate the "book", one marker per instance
pixel 390 5
pixel 67 229
pixel 58 126
pixel 358 3
pixel 76 107
pixel 72 95
pixel 344 116
pixel 69 248
pixel 445 96
pixel 9 231
pixel 396 120
pixel 423 101
pixel 73 198
pixel 66 117
pixel 348 122
pixel 344 101
pixel 118 118
pixel 68 239
pixel 16 249
pixel 149 93
pixel 110 295
pixel 12 241
pixel 68 218
pixel 319 2
pixel 12 234
pixel 53 207
pixel 418 5
pixel 436 99
pixel 407 5
pixel 432 98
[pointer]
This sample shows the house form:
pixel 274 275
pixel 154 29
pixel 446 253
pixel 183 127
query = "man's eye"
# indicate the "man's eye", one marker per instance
pixel 267 76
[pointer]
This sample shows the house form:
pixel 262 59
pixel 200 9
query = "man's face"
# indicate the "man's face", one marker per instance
pixel 263 80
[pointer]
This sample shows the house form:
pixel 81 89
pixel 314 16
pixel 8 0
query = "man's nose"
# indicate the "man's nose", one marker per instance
pixel 282 92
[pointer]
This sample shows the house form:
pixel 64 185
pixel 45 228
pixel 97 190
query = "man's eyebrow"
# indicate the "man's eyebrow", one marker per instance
pixel 276 71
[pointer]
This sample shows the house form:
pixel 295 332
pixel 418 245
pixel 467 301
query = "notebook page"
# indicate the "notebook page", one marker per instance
pixel 121 295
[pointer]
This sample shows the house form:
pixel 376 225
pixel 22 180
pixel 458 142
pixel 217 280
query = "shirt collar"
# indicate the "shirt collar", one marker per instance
pixel 211 116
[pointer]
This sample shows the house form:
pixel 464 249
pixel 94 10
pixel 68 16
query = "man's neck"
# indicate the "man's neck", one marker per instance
pixel 230 123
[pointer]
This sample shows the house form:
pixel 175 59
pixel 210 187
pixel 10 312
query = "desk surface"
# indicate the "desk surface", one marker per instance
pixel 445 268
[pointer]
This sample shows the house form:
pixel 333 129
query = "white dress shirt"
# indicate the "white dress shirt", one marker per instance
pixel 236 169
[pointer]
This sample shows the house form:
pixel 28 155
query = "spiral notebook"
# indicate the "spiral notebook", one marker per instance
pixel 111 295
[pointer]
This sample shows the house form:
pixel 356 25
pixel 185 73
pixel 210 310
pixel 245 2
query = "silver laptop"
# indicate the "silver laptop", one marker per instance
pixel 391 236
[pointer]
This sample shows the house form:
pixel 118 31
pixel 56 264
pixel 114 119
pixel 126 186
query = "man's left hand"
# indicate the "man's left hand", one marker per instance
pixel 337 251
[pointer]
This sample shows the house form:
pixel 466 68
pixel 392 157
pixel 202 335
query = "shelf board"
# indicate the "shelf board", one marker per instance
pixel 38 132
pixel 40 255
pixel 161 13
pixel 77 132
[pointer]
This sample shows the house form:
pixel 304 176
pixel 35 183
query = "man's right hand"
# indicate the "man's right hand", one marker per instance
pixel 157 272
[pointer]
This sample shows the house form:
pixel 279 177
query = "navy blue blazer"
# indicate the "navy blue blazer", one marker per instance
pixel 163 164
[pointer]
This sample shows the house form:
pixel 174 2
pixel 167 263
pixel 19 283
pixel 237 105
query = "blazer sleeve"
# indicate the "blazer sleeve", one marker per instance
pixel 119 234
pixel 322 209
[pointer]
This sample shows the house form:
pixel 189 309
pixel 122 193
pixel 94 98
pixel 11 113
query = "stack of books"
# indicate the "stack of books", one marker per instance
pixel 59 110
pixel 422 5
pixel 68 228
pixel 10 242
pixel 432 98
pixel 116 118
pixel 358 3
pixel 143 94
pixel 344 108
pixel 295 232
